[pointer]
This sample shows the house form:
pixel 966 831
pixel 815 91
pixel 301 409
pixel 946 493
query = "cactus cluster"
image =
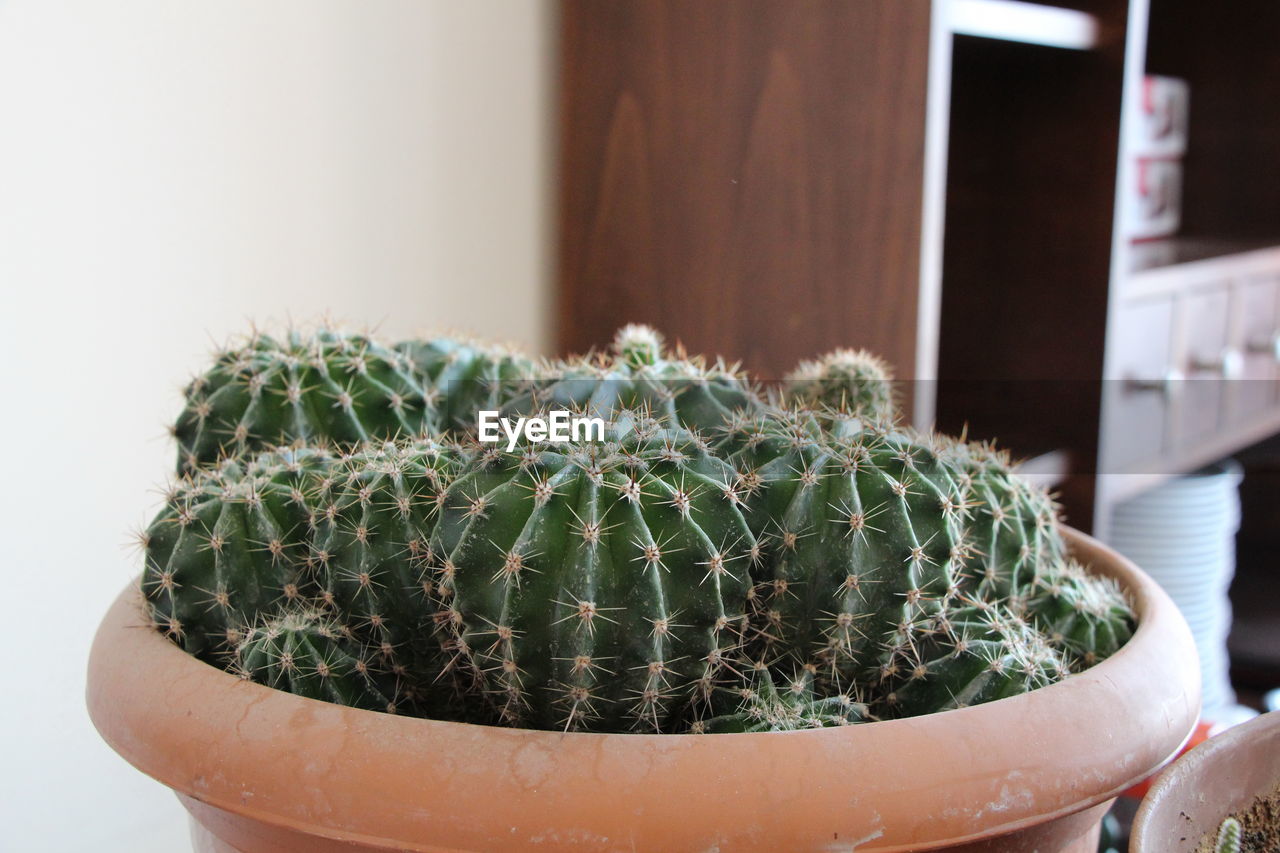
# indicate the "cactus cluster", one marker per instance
pixel 723 560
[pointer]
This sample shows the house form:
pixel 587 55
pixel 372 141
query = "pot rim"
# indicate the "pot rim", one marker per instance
pixel 414 784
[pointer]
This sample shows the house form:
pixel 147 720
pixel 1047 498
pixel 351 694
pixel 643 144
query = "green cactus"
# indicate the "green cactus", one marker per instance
pixel 467 376
pixel 639 583
pixel 965 656
pixel 640 374
pixel 319 387
pixel 876 530
pixel 369 550
pixel 764 708
pixel 229 544
pixel 1085 617
pixel 1229 836
pixel 305 652
pixel 846 384
pixel 1019 535
pixel 595 586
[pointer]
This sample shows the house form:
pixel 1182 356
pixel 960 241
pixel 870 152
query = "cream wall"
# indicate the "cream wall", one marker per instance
pixel 168 170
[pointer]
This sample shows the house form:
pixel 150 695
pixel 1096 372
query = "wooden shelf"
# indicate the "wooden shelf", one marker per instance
pixel 1027 23
pixel 1192 249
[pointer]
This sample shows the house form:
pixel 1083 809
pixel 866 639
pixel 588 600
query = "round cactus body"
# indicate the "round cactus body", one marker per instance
pixel 1017 534
pixel 640 375
pixel 323 387
pixel 595 586
pixel 763 707
pixel 305 653
pixel 848 383
pixel 370 547
pixel 467 376
pixel 864 534
pixel 878 529
pixel 1229 836
pixel 229 544
pixel 965 656
pixel 1085 617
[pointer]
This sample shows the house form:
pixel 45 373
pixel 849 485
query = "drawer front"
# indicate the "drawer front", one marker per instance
pixel 1137 401
pixel 1208 363
pixel 1257 339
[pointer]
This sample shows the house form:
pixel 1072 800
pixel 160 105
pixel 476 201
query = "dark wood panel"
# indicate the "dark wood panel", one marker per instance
pixel 744 174
pixel 1026 261
pixel 1227 54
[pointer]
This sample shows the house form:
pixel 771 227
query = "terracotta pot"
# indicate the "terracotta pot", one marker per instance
pixel 262 770
pixel 1225 774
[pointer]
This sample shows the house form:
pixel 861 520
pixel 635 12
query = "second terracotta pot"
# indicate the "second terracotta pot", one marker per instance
pixel 263 770
pixel 1223 775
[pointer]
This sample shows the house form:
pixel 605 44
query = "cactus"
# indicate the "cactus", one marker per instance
pixel 640 374
pixel 467 376
pixel 1019 534
pixel 715 564
pixel 861 541
pixel 845 382
pixel 1086 618
pixel 306 653
pixel 595 586
pixel 965 656
pixel 1229 836
pixel 876 530
pixel 326 386
pixel 764 708
pixel 369 550
pixel 229 544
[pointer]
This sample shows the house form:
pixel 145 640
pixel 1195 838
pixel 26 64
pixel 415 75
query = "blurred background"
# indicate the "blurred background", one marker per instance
pixel 1058 223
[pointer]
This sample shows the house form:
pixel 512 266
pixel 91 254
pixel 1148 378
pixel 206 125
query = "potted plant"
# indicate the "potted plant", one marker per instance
pixel 1224 795
pixel 727 622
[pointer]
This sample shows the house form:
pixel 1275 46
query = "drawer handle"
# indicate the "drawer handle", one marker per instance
pixel 1228 365
pixel 1166 385
pixel 1265 346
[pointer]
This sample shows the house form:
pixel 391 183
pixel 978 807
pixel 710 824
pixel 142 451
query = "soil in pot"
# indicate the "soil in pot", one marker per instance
pixel 1259 827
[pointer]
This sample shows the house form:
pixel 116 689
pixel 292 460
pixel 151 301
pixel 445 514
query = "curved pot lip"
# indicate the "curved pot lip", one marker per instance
pixel 419 784
pixel 1177 793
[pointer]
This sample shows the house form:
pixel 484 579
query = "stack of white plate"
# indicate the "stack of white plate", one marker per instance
pixel 1182 533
